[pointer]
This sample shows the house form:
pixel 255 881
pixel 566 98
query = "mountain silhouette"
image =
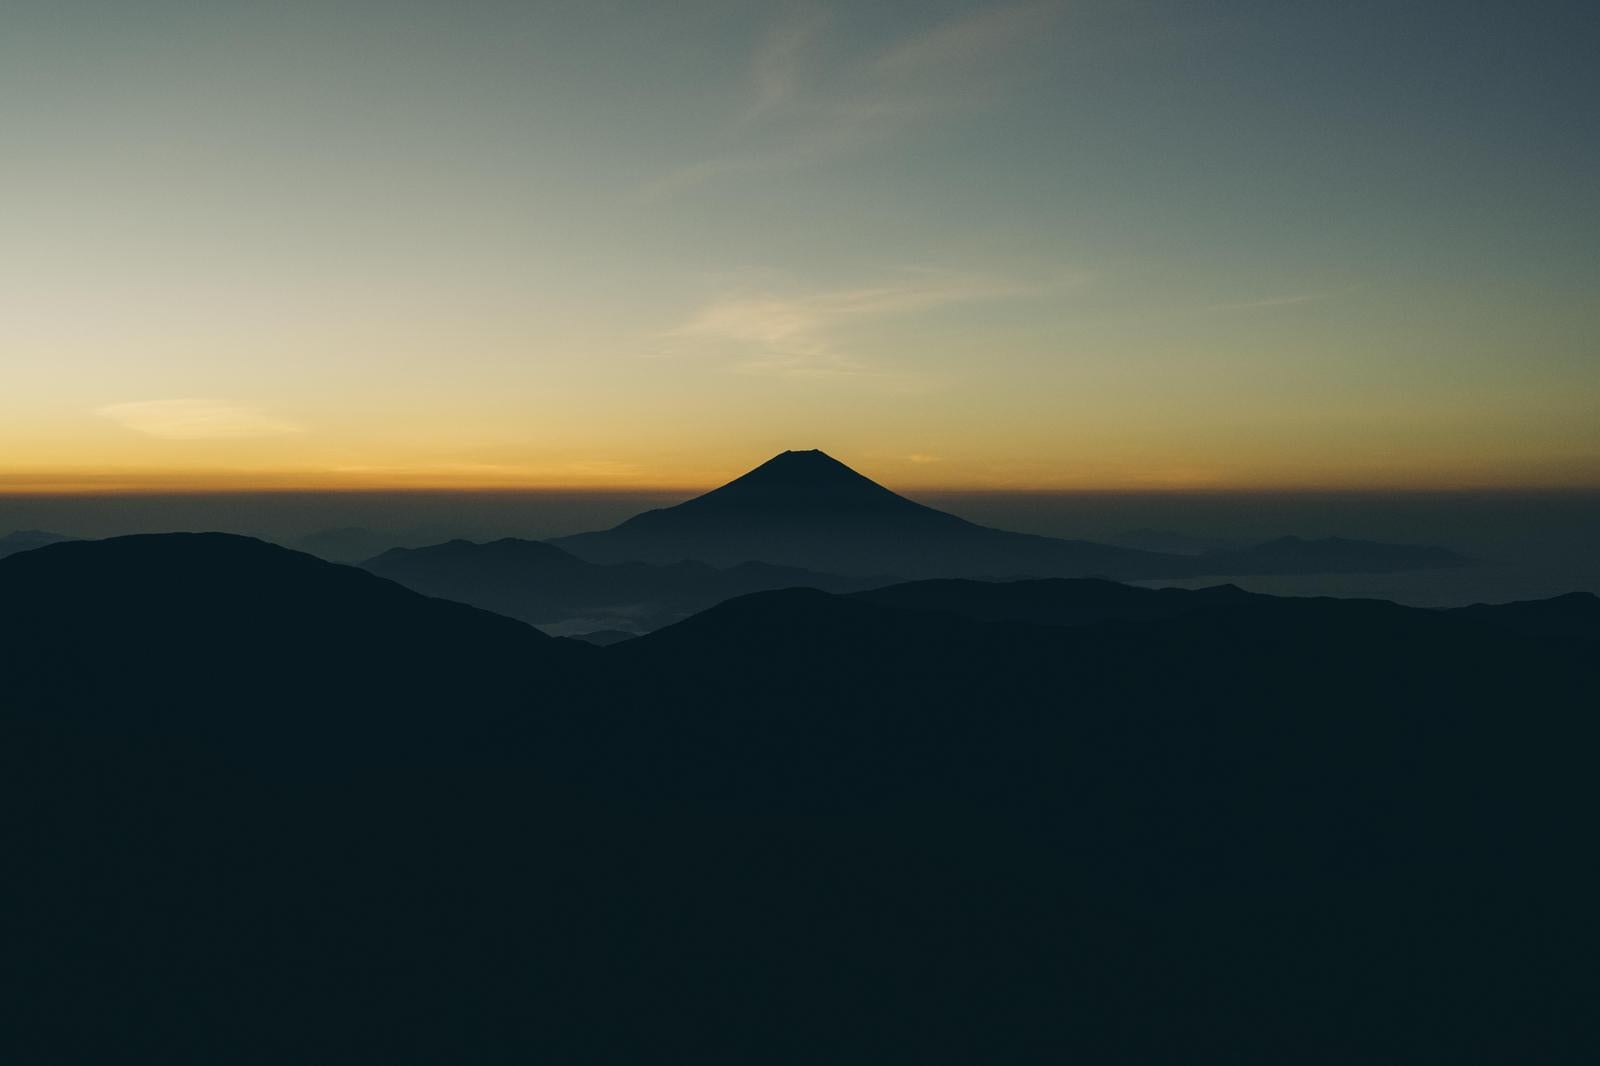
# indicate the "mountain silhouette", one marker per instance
pixel 806 509
pixel 28 539
pixel 250 792
pixel 798 483
pixel 544 585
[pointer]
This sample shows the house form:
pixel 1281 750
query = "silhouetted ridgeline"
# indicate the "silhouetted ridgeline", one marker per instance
pixel 263 808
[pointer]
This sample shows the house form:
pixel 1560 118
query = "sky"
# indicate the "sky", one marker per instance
pixel 597 245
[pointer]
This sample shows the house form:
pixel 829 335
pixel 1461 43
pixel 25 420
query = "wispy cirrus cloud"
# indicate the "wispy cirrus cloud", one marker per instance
pixel 779 66
pixel 977 38
pixel 800 108
pixel 196 419
pixel 796 334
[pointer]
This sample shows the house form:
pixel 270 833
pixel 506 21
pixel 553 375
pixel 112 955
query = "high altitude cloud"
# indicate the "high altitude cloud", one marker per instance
pixel 1284 301
pixel 195 419
pixel 802 109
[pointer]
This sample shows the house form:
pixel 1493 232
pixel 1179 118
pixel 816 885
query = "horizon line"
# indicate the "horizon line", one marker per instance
pixel 80 490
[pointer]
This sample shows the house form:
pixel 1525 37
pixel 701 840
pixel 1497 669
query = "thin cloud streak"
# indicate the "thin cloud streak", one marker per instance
pixel 196 419
pixel 971 39
pixel 800 113
pixel 1283 301
pixel 778 69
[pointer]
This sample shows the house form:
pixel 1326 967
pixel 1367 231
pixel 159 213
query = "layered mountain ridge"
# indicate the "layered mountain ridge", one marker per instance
pixel 941 822
pixel 539 583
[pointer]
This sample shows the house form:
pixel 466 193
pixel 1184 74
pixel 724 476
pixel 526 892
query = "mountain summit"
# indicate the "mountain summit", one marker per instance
pixel 802 483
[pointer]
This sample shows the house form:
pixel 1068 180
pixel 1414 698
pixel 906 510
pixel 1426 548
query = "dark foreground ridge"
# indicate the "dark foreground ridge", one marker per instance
pixel 268 809
pixel 808 510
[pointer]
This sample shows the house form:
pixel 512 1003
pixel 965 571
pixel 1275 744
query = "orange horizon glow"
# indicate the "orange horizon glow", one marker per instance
pixel 899 475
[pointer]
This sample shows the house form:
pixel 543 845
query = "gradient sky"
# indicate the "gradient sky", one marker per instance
pixel 1080 245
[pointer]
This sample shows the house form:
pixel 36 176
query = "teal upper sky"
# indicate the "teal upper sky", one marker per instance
pixel 1053 244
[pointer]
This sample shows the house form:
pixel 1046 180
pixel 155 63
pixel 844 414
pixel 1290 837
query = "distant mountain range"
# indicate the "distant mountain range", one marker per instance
pixel 1328 555
pixel 787 524
pixel 26 540
pixel 803 520
pixel 805 509
pixel 1169 542
pixel 262 808
pixel 543 585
